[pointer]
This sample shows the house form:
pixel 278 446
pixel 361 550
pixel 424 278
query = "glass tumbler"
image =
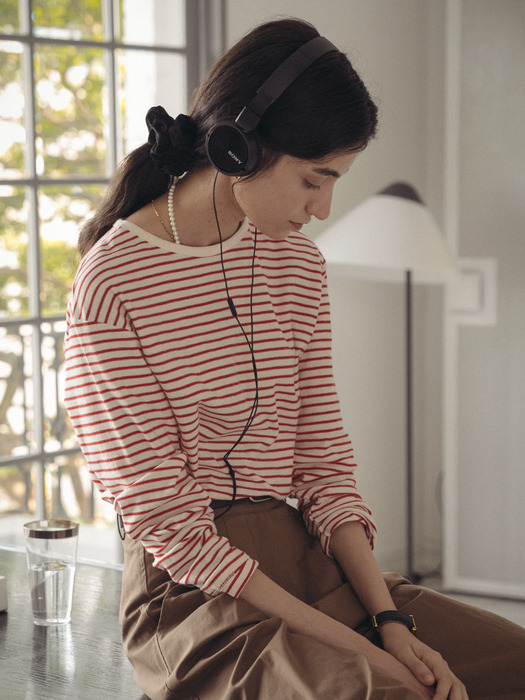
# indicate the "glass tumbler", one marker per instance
pixel 51 547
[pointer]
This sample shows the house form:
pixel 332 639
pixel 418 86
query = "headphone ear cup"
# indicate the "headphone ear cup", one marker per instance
pixel 233 151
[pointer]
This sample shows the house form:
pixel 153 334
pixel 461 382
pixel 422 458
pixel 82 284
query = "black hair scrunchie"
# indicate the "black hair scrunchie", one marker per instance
pixel 172 141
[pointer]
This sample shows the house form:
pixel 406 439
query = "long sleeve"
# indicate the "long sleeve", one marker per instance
pixel 324 480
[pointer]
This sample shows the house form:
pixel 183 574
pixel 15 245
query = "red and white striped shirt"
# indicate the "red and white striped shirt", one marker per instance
pixel 160 383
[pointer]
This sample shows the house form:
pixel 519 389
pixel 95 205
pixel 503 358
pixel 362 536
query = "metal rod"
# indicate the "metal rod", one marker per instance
pixel 409 434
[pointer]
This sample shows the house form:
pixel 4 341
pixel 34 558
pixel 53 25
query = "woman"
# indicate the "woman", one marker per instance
pixel 199 382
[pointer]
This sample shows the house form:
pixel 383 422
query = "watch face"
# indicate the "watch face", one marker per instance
pixel 394 616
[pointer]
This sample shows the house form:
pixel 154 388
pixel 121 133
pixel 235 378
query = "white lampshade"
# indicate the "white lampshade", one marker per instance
pixel 390 231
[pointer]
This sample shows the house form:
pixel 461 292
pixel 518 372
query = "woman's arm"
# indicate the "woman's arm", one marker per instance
pixel 351 548
pixel 274 601
pixel 323 478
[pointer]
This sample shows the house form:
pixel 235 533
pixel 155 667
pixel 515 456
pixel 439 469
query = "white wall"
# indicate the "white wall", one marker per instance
pixel 485 545
pixel 391 44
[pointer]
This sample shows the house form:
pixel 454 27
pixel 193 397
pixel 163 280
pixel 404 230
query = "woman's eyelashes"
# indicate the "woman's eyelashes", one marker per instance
pixel 311 186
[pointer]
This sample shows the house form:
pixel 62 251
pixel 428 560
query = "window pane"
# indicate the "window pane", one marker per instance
pixel 17 502
pixel 12 104
pixel 145 79
pixel 61 211
pixel 74 19
pixel 71 107
pixel 67 493
pixel 151 22
pixel 59 433
pixel 70 493
pixel 9 17
pixel 16 392
pixel 14 292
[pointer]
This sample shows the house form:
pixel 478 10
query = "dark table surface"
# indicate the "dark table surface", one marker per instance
pixel 82 660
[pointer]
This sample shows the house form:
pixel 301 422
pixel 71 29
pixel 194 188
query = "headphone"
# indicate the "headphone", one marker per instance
pixel 234 146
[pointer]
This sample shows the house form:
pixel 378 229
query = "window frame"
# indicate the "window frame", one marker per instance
pixel 205 40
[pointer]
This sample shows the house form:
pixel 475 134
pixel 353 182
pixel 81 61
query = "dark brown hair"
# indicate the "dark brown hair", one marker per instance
pixel 326 110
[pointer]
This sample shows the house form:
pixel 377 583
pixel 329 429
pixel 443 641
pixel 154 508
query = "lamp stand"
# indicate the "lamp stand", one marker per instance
pixel 409 430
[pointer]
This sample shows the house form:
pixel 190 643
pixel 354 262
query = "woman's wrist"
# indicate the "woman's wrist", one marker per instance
pixel 387 617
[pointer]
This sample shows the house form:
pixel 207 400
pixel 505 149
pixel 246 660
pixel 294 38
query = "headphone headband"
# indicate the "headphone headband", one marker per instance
pixel 282 77
pixel 233 146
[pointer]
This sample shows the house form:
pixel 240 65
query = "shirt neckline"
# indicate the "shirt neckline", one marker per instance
pixel 191 251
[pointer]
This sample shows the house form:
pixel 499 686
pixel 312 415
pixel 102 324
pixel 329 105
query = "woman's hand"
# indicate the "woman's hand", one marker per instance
pixel 273 600
pixel 426 665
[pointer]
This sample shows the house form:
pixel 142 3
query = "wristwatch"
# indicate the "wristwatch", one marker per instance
pixel 394 616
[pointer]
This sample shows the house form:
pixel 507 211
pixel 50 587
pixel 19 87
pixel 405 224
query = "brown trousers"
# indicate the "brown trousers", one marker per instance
pixel 187 645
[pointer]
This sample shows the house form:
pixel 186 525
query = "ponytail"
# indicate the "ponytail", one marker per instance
pixel 135 183
pixel 145 173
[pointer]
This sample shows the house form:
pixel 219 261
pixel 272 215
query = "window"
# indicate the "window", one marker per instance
pixel 76 80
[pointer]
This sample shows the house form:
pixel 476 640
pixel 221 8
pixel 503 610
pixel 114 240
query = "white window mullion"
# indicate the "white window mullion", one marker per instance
pixel 113 154
pixel 33 264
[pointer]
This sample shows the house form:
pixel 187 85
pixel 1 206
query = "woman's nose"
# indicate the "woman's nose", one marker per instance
pixel 320 206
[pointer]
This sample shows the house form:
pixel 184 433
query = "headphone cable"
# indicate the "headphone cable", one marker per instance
pixel 249 341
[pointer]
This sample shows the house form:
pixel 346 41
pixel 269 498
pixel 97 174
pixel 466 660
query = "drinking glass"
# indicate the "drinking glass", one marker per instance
pixel 51 547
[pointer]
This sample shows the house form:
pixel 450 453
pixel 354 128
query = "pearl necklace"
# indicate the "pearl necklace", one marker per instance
pixel 174 231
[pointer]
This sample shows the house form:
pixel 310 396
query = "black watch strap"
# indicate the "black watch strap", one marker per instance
pixel 394 616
